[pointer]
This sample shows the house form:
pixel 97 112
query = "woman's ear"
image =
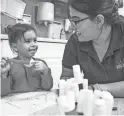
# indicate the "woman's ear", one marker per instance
pixel 14 47
pixel 99 20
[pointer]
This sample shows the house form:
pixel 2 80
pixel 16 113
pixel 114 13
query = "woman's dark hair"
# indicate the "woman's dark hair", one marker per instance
pixel 108 8
pixel 17 31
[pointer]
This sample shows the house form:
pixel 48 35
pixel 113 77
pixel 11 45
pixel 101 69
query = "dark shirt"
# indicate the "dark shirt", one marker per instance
pixel 111 69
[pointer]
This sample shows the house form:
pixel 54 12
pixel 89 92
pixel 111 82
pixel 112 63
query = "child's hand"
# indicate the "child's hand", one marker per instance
pixel 5 65
pixel 39 66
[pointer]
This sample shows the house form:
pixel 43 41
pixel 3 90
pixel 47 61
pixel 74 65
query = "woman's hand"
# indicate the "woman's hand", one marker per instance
pixel 5 65
pixel 39 66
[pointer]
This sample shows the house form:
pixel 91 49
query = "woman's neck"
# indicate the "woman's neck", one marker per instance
pixel 104 36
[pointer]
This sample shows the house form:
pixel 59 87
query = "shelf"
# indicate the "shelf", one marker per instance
pixel 40 39
pixel 4 13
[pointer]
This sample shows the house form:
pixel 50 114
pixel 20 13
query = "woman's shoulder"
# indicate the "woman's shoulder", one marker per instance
pixel 121 24
pixel 73 40
pixel 73 37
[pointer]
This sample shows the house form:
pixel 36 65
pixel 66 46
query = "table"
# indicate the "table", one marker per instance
pixel 119 103
pixel 31 103
pixel 41 103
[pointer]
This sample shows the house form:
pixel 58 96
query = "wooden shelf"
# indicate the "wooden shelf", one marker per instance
pixel 40 39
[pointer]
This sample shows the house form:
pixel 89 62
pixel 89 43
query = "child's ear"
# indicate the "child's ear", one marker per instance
pixel 14 47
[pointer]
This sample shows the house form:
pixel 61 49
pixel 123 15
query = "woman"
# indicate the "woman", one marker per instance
pixel 97 45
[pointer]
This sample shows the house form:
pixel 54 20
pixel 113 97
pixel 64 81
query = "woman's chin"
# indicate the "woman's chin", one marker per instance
pixel 83 38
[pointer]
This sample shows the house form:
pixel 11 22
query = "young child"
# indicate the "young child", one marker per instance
pixel 24 73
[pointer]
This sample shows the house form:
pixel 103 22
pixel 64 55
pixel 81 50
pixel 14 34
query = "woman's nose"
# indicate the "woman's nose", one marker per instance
pixel 73 28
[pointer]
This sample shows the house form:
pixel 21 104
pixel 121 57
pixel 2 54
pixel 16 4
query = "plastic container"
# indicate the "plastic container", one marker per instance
pixel 99 107
pixel 62 84
pixel 85 102
pixel 109 101
pixel 77 74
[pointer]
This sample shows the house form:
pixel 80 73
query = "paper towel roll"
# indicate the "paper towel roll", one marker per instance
pixel 45 12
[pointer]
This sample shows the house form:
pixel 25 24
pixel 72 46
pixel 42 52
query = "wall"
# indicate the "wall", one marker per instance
pixel 30 9
pixel 121 10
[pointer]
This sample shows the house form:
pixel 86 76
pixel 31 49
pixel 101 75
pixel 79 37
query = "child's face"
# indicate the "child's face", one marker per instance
pixel 27 45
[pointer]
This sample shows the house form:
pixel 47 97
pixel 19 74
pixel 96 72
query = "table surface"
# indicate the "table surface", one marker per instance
pixel 42 103
pixel 119 103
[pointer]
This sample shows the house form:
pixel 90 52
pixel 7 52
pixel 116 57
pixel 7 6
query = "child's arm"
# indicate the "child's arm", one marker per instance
pixel 47 80
pixel 46 77
pixel 5 77
pixel 5 84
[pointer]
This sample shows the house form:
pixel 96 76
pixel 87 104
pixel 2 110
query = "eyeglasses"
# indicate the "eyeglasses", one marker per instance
pixel 75 21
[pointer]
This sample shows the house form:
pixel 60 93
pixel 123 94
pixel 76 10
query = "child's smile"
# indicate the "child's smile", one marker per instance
pixel 33 50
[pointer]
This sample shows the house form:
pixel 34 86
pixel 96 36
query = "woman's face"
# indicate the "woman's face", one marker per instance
pixel 87 29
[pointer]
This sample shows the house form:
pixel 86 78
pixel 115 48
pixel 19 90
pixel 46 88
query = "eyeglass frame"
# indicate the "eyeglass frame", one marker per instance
pixel 76 22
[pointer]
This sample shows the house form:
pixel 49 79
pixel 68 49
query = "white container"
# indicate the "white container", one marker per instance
pixel 109 101
pixel 67 102
pixel 13 8
pixel 63 102
pixel 71 100
pixel 54 30
pixel 85 102
pixel 98 94
pixel 75 89
pixel 62 84
pixel 81 99
pixel 85 83
pixel 99 107
pixel 45 12
pixel 77 74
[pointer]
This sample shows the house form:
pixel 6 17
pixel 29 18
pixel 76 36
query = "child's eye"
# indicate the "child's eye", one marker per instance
pixel 35 41
pixel 27 41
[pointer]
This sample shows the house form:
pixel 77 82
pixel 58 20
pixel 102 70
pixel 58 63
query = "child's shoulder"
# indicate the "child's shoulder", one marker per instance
pixel 39 59
pixel 15 58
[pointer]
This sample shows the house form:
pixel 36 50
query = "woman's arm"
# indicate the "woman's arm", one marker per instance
pixel 66 73
pixel 116 88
